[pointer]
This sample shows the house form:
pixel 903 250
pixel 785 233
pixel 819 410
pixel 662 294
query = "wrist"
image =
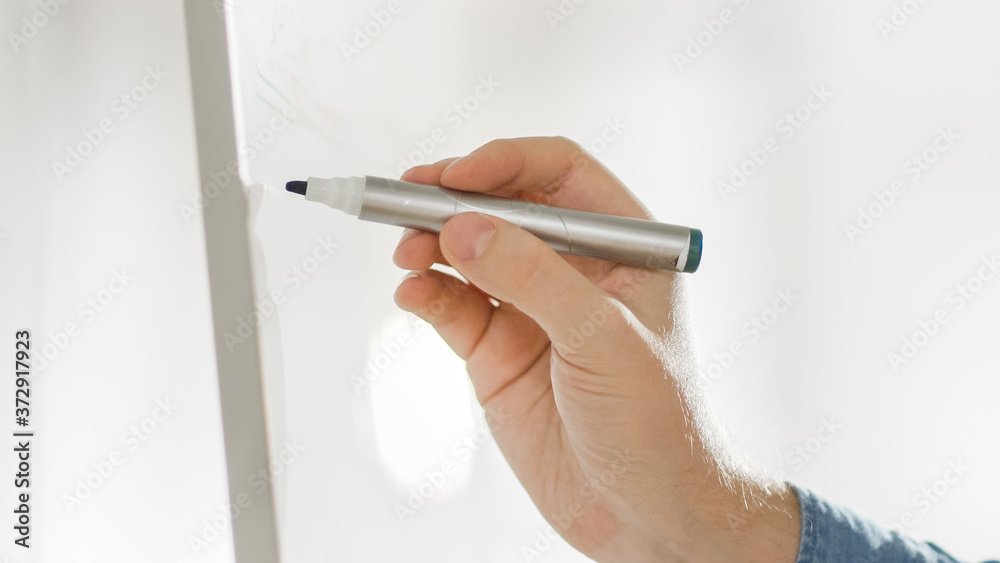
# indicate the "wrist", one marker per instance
pixel 755 523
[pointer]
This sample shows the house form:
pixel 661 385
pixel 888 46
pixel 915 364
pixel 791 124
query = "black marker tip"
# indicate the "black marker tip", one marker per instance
pixel 296 187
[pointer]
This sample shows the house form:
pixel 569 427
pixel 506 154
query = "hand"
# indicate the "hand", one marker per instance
pixel 591 365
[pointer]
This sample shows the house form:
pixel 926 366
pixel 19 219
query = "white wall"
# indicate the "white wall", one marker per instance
pixel 825 359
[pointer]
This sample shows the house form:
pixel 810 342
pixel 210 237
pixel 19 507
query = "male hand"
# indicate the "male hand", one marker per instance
pixel 592 365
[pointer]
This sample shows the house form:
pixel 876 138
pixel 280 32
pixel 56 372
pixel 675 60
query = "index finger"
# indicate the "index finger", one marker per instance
pixel 550 170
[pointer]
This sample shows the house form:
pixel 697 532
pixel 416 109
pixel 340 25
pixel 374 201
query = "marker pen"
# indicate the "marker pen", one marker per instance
pixel 637 242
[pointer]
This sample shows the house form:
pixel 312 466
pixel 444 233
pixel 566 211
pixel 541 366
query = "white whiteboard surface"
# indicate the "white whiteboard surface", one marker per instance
pixel 683 131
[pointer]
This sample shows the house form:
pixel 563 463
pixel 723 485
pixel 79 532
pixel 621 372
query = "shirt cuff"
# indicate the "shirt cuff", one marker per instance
pixel 832 533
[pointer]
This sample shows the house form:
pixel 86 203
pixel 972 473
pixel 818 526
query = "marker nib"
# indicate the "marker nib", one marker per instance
pixel 296 187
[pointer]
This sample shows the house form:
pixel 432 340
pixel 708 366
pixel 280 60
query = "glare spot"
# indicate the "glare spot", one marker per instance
pixel 423 406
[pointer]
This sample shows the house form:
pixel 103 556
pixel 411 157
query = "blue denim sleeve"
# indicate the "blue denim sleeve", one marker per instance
pixel 833 534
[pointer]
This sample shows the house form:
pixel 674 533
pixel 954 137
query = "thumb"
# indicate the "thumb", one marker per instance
pixel 516 267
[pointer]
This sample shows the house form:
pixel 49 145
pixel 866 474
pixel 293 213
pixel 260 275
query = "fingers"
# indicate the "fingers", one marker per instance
pixel 428 174
pixel 514 266
pixel 499 344
pixel 456 311
pixel 417 250
pixel 550 170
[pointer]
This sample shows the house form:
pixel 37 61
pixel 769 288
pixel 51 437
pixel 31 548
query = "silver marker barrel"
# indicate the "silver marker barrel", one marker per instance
pixel 626 240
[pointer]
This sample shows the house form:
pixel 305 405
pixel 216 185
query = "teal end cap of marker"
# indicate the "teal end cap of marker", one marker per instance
pixel 694 252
